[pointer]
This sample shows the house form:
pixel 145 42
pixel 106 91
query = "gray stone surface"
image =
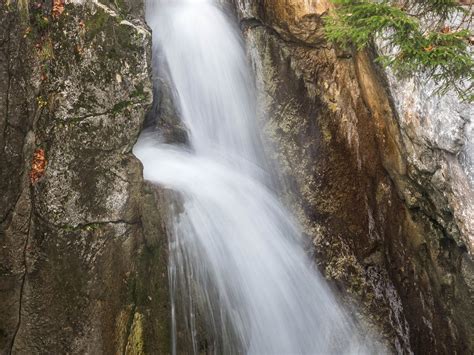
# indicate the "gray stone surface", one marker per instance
pixel 438 136
pixel 83 251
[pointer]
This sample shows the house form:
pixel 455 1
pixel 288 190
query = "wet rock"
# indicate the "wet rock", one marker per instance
pixel 385 201
pixel 82 248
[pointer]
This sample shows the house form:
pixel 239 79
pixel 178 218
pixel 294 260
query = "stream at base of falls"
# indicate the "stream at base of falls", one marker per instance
pixel 237 267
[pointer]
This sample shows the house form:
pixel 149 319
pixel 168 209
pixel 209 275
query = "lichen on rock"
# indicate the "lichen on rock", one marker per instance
pixel 78 84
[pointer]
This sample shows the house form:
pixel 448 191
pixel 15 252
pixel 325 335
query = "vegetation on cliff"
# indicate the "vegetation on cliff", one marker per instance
pixel 428 37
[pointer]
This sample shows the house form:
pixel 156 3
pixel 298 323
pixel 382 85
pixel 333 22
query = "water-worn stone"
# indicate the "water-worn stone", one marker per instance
pixel 377 198
pixel 83 253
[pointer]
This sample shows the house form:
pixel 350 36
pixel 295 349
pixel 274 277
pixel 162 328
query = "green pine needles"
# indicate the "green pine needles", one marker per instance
pixel 417 34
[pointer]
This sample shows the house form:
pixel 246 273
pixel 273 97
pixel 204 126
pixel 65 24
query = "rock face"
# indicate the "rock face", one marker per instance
pixel 381 180
pixel 387 209
pixel 438 136
pixel 83 267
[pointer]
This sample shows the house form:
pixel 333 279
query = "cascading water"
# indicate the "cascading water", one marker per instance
pixel 237 263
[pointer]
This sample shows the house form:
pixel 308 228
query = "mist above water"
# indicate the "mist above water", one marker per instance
pixel 240 279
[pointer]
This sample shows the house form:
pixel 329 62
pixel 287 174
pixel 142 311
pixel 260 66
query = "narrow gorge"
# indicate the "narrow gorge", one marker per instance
pixel 216 177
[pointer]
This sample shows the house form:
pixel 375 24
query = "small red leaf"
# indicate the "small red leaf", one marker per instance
pixel 38 165
pixel 58 8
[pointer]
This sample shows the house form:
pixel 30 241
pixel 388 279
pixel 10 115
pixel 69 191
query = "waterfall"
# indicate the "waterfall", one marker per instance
pixel 238 268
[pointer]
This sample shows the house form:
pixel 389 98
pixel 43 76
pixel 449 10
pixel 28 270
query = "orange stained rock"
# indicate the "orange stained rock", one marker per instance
pixel 293 10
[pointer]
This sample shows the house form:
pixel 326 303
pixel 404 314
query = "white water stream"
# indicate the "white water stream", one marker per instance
pixel 237 263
